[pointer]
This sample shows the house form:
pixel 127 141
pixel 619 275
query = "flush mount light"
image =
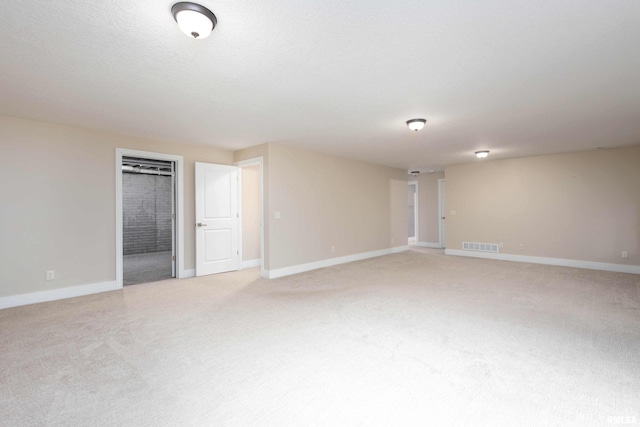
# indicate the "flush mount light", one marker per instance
pixel 194 20
pixel 416 124
pixel 482 154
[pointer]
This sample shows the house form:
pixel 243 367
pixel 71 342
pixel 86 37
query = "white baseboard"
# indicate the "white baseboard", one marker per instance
pixel 185 274
pixel 56 294
pixel 301 268
pixel 590 265
pixel 429 245
pixel 251 263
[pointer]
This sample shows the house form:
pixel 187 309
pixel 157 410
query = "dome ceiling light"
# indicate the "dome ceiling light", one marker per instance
pixel 416 124
pixel 482 154
pixel 194 20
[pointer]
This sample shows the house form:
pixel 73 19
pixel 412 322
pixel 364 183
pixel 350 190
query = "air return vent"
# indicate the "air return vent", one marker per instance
pixel 480 247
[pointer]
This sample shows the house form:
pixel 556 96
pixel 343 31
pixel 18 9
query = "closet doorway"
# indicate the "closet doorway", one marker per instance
pixel 175 166
pixel 148 220
pixel 412 218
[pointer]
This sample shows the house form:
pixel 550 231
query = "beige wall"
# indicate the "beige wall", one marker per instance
pixel 58 202
pixel 250 212
pixel 428 207
pixel 327 201
pixel 581 206
pixel 58 209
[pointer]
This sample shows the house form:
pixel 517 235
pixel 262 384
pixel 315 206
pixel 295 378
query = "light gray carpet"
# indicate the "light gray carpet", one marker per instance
pixel 410 339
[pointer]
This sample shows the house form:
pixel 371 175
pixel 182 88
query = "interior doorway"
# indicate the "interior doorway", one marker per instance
pixel 441 212
pixel 412 220
pixel 148 228
pixel 251 221
pixel 252 200
pixel 149 217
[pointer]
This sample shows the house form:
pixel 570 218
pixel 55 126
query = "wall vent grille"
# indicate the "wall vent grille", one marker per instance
pixel 480 247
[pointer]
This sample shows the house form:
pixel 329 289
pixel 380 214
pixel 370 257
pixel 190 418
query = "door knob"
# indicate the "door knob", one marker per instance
pixel 201 224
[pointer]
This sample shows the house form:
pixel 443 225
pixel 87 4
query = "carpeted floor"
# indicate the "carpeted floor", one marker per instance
pixel 411 339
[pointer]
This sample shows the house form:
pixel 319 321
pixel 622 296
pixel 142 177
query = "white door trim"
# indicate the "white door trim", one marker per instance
pixel 250 162
pixel 416 213
pixel 441 214
pixel 179 161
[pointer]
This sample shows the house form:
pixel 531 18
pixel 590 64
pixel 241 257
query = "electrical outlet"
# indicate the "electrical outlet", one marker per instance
pixel 521 245
pixel 51 275
pixel 333 248
pixel 625 254
pixel 501 245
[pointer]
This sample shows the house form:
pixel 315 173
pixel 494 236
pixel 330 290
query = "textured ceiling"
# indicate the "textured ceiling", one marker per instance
pixel 518 78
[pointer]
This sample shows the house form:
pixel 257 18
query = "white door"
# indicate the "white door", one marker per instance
pixel 217 219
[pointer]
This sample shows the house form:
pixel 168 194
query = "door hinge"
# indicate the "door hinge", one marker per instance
pixel 173 258
pixel 238 215
pixel 173 216
pixel 237 252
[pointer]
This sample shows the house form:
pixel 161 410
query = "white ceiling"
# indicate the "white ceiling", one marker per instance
pixel 518 78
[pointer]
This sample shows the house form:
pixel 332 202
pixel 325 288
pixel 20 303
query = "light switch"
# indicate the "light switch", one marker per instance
pixel 453 213
pixel 276 215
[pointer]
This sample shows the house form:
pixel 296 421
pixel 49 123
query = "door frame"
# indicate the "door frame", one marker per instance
pixel 416 212
pixel 179 221
pixel 441 213
pixel 250 162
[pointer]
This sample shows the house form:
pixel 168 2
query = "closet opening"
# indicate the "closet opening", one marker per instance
pixel 148 220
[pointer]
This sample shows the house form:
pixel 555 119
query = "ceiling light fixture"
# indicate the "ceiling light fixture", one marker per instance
pixel 482 154
pixel 416 124
pixel 194 20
